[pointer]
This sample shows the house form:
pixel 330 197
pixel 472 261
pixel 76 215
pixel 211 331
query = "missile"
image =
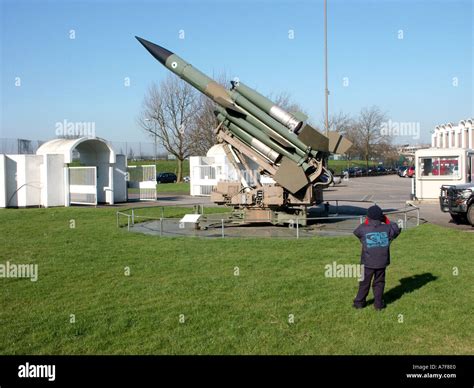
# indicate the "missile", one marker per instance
pixel 241 99
pixel 261 136
pixel 268 121
pixel 279 114
pixel 285 139
pixel 248 139
pixel 187 72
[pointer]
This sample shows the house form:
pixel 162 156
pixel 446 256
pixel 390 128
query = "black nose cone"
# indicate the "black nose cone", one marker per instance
pixel 160 53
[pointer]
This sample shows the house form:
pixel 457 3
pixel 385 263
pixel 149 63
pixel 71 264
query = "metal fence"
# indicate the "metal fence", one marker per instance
pixel 83 185
pixel 19 146
pixel 133 150
pixel 220 225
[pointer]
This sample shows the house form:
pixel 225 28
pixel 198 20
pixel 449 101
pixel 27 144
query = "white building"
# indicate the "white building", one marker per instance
pixel 206 171
pixel 454 136
pixel 48 179
pixel 449 161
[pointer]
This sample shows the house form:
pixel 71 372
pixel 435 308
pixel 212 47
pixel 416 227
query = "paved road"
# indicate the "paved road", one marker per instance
pixel 390 192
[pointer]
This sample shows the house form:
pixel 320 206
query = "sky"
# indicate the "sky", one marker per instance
pixel 79 61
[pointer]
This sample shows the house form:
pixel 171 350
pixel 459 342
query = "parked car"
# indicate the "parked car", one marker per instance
pixel 372 171
pixel 410 172
pixel 381 170
pixel 166 177
pixel 353 172
pixel 458 200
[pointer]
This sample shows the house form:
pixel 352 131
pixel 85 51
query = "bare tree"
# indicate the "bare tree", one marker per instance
pixel 368 130
pixel 340 122
pixel 203 137
pixel 170 113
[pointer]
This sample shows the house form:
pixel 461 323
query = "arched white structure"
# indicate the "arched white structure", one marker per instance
pixel 48 179
pixel 89 148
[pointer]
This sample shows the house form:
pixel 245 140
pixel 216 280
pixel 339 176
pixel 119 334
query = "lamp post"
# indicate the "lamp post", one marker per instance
pixel 326 91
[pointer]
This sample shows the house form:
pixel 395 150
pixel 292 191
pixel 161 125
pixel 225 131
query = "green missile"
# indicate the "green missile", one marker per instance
pixel 305 135
pixel 269 121
pixel 248 139
pixel 289 174
pixel 268 106
pixel 191 75
pixel 255 132
pixel 258 110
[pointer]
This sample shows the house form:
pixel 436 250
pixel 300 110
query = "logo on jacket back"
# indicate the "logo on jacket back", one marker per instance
pixel 376 240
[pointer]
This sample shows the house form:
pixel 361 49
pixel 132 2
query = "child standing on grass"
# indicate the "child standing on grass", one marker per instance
pixel 375 235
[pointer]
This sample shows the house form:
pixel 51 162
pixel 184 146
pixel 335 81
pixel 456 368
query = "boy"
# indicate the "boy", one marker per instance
pixel 375 234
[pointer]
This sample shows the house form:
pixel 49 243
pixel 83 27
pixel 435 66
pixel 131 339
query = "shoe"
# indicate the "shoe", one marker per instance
pixel 357 306
pixel 379 308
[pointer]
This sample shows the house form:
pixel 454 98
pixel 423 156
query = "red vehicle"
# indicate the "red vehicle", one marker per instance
pixel 410 172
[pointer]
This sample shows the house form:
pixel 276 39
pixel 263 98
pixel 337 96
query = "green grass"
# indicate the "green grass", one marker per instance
pixel 173 188
pixel 339 165
pixel 181 188
pixel 171 165
pixel 81 272
pixel 163 165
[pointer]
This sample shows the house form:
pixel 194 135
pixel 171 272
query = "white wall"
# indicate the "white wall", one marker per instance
pixel 120 184
pixel 23 180
pixel 52 176
pixel 3 186
pixel 201 179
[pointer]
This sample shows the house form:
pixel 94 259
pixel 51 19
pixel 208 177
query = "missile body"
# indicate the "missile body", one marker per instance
pixel 294 149
pixel 269 121
pixel 283 117
pixel 259 108
pixel 188 73
pixel 255 132
pixel 249 139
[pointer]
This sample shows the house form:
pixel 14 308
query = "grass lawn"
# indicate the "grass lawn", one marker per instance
pixel 174 188
pixel 172 166
pixel 82 272
pixel 181 188
pixel 339 165
pixel 163 165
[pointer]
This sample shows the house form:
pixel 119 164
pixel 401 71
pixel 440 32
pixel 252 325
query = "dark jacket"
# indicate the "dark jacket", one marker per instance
pixel 376 237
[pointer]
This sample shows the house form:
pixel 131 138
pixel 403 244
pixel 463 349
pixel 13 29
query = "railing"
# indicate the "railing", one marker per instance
pixel 217 224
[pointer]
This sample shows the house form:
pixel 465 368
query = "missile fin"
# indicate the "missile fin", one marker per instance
pixel 290 176
pixel 338 144
pixel 313 138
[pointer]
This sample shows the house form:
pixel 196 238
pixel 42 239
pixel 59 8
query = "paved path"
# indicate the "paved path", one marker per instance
pixel 390 192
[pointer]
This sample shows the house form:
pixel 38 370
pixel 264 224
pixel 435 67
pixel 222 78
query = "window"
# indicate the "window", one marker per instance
pixel 470 171
pixel 440 166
